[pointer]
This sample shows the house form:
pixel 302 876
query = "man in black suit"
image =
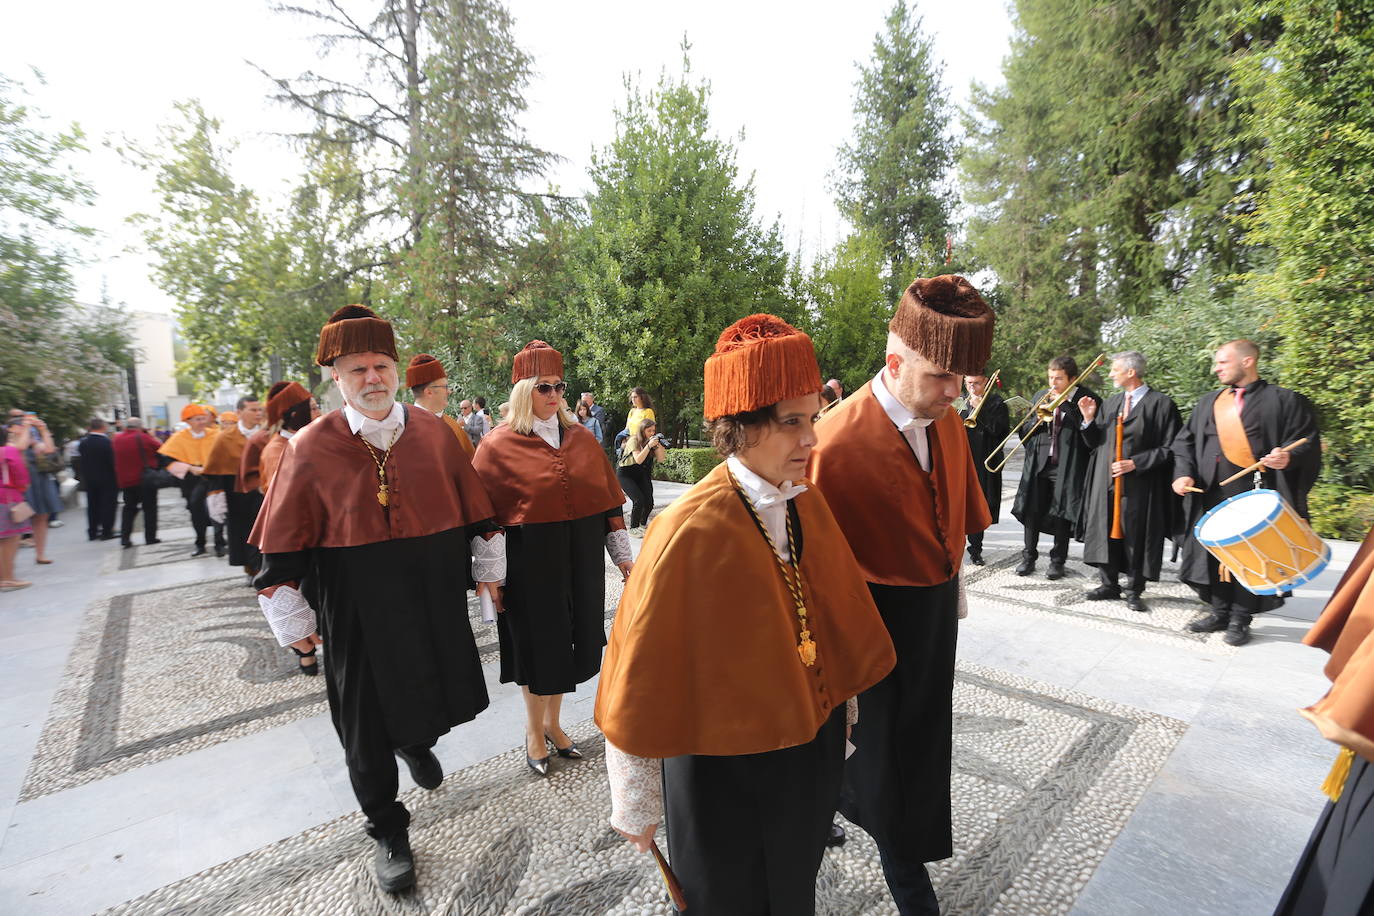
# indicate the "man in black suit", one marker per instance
pixel 98 474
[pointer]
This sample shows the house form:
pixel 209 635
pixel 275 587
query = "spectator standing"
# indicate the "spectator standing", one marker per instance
pixel 588 419
pixel 134 452
pixel 635 471
pixel 14 481
pixel 471 421
pixel 641 408
pixel 98 473
pixel 42 495
pixel 598 412
pixel 483 417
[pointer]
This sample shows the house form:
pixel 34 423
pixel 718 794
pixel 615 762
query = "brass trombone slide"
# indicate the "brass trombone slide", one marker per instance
pixel 972 419
pixel 1042 413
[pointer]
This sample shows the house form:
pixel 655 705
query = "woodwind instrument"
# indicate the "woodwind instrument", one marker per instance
pixel 1117 532
pixel 972 419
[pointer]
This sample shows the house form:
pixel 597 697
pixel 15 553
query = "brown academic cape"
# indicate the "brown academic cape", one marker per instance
pixel 250 462
pixel 270 459
pixel 460 434
pixel 1346 714
pixel 226 453
pixel 324 493
pixel 703 655
pixel 182 446
pixel 906 526
pixel 530 482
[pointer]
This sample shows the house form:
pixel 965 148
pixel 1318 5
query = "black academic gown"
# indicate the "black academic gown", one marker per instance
pixel 1273 417
pixel 1066 501
pixel 240 516
pixel 1150 510
pixel 992 427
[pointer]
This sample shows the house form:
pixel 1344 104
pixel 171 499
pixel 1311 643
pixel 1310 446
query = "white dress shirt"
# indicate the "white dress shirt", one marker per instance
pixel 381 433
pixel 769 502
pixel 549 430
pixel 913 429
pixel 247 431
pixel 1132 396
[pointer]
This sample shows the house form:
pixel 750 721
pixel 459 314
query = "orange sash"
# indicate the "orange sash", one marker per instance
pixel 1235 445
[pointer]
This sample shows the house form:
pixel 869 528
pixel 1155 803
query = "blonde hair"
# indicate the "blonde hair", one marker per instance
pixel 520 416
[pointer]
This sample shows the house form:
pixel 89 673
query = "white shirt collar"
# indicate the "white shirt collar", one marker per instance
pixel 899 415
pixel 247 431
pixel 286 433
pixel 197 435
pixel 549 430
pixel 760 492
pixel 356 421
pixel 1136 395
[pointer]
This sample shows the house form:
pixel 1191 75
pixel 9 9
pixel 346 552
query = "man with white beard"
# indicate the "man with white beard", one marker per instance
pixel 366 534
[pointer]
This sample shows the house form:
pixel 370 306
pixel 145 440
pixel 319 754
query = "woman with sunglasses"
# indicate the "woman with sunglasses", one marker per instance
pixel 556 494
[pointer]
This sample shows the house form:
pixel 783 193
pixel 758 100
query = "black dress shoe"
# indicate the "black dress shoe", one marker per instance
pixel 126 544
pixel 567 753
pixel 221 551
pixel 200 551
pixel 1026 566
pixel 1136 603
pixel 1104 593
pixel 1214 622
pixel 424 767
pixel 976 557
pixel 1056 570
pixel 395 863
pixel 1238 630
pixel 837 836
pixel 153 541
pixel 108 537
pixel 540 765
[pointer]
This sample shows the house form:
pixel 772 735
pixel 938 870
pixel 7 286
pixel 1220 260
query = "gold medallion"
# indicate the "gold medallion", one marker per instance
pixel 382 495
pixel 807 649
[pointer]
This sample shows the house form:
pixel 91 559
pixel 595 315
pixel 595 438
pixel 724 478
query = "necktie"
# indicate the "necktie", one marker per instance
pixel 1240 399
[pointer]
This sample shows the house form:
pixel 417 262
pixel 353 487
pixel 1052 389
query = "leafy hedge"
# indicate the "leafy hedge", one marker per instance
pixel 1340 511
pixel 686 465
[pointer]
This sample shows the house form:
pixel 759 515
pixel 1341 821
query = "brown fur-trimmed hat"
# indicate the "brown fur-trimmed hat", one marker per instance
pixel 946 321
pixel 424 370
pixel 538 358
pixel 284 398
pixel 759 361
pixel 354 329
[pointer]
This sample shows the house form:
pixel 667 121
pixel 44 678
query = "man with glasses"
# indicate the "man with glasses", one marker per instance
pixel 427 381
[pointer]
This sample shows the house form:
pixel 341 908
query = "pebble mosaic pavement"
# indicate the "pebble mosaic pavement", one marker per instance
pixel 1044 780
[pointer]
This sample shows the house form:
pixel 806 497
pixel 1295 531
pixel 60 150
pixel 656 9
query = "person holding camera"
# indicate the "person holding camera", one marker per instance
pixel 635 471
pixel 41 458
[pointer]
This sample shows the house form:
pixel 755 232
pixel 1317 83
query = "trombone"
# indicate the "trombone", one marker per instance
pixel 972 419
pixel 1043 413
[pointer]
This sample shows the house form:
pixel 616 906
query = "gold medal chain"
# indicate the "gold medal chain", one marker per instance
pixel 383 494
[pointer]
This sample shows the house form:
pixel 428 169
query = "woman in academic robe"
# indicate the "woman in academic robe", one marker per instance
pixel 742 636
pixel 556 495
pixel 288 412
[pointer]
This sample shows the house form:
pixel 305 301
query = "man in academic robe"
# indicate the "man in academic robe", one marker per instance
pixel 366 533
pixel 428 384
pixel 1150 511
pixel 1246 421
pixel 989 431
pixel 1049 498
pixel 189 448
pixel 893 462
pixel 238 511
pixel 249 475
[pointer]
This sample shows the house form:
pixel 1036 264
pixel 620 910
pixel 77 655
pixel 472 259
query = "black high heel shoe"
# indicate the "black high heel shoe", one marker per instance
pixel 540 765
pixel 307 670
pixel 567 753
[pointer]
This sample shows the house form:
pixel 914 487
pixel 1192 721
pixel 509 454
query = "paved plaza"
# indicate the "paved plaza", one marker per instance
pixel 158 754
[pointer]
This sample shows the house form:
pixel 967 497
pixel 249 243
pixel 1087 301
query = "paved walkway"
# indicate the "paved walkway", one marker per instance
pixel 1216 833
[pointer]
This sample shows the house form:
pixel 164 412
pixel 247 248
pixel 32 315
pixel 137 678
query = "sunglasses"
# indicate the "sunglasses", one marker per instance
pixel 545 388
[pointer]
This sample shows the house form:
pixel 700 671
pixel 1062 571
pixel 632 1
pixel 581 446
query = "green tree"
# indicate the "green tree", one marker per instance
pixel 850 305
pixel 673 254
pixel 892 177
pixel 1314 108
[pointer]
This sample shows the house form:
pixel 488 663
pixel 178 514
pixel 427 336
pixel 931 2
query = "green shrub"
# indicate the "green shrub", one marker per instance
pixel 686 465
pixel 1340 511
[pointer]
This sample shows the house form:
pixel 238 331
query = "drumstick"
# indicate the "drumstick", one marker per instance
pixel 1192 490
pixel 1239 474
pixel 669 879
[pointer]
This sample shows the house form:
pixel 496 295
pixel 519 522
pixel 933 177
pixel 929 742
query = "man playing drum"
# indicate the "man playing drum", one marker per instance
pixel 1248 420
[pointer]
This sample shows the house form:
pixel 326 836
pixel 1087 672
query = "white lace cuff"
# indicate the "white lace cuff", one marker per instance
pixel 636 790
pixel 618 546
pixel 288 614
pixel 217 506
pixel 963 596
pixel 489 558
pixel 851 711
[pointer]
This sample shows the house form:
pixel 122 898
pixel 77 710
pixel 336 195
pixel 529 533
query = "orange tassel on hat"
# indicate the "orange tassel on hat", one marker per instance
pixel 945 321
pixel 354 329
pixel 424 370
pixel 538 358
pixel 759 361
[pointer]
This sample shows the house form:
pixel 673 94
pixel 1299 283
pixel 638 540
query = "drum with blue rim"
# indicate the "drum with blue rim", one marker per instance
pixel 1266 546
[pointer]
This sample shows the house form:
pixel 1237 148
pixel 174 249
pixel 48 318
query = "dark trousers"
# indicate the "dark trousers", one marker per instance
pixel 639 486
pixel 1057 527
pixel 1230 597
pixel 134 499
pixel 910 885
pixel 975 542
pixel 368 748
pixel 746 834
pixel 100 511
pixel 1118 562
pixel 196 489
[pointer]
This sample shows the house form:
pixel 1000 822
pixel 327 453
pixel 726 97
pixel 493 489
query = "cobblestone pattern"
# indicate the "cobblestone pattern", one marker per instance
pixel 1044 780
pixel 1172 604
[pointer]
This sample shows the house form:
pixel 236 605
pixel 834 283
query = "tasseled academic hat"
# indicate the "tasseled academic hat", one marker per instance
pixel 759 361
pixel 283 398
pixel 193 410
pixel 423 370
pixel 538 358
pixel 947 322
pixel 229 416
pixel 354 329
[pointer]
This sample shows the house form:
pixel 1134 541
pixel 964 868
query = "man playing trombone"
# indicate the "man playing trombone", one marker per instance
pixel 1130 509
pixel 1050 496
pixel 987 423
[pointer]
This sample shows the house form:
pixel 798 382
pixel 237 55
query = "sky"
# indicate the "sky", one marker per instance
pixel 782 73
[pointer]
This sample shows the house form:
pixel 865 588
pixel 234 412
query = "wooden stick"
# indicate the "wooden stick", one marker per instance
pixel 1239 474
pixel 669 879
pixel 1193 490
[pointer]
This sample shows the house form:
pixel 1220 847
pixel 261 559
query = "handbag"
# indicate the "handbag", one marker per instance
pixel 155 478
pixel 50 463
pixel 21 511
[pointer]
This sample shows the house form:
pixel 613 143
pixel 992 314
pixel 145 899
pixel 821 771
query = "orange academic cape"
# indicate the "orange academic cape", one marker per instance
pixel 1346 714
pixel 906 526
pixel 325 490
pixel 182 446
pixel 703 654
pixel 530 482
pixel 250 462
pixel 226 453
pixel 460 434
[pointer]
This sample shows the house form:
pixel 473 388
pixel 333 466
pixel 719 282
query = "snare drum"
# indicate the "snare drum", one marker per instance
pixel 1265 544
